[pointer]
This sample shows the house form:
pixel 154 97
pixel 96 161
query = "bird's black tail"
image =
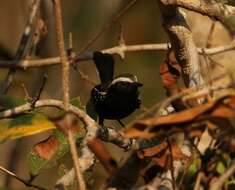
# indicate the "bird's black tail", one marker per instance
pixel 105 66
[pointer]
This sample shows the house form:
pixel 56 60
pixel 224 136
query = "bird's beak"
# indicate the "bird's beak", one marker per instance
pixel 138 84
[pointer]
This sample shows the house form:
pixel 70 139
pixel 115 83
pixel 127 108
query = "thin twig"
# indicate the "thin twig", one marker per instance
pixel 122 48
pixel 40 90
pixel 65 84
pixel 107 26
pixel 86 78
pixel 21 52
pixel 62 52
pixel 26 93
pixel 73 150
pixel 198 181
pixel 24 181
pixel 210 35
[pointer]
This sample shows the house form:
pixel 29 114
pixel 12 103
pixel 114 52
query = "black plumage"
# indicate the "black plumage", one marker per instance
pixel 115 98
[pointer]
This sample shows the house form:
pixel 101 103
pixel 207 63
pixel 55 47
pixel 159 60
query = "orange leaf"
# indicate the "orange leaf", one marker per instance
pixel 47 148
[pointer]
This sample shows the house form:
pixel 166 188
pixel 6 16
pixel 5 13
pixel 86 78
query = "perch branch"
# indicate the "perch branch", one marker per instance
pixel 86 159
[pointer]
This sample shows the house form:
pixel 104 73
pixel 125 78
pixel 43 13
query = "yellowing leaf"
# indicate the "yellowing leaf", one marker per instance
pixel 24 125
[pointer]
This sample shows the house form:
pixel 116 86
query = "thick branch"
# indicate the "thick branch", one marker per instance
pixel 182 43
pixel 213 9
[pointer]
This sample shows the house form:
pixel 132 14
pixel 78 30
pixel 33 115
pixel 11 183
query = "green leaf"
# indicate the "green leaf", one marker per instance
pixel 36 162
pixel 191 173
pixel 24 125
pixel 3 188
pixel 220 168
pixel 76 102
pixel 45 156
pixel 192 170
pixel 8 102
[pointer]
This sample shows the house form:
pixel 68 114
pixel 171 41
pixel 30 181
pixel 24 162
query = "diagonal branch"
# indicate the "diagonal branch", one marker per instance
pixel 23 46
pixel 109 25
pixel 24 181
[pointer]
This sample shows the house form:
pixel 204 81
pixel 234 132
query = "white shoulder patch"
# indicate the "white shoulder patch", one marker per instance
pixel 121 79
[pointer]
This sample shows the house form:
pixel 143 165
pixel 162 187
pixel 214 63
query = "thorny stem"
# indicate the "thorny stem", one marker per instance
pixel 65 84
pixel 32 63
pixel 62 52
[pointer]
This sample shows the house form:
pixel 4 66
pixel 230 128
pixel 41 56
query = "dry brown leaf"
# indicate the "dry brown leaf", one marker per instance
pixel 223 107
pixel 160 154
pixel 47 148
pixel 169 72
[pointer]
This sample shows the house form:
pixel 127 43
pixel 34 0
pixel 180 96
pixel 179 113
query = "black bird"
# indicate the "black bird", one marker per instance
pixel 115 98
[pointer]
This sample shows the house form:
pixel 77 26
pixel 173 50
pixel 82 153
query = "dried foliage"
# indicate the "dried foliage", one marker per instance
pixel 165 147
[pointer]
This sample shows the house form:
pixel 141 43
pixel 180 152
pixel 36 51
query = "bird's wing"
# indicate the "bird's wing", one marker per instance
pixel 105 66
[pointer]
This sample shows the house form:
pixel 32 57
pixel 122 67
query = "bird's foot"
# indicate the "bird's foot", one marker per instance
pixel 128 145
pixel 104 133
pixel 121 123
